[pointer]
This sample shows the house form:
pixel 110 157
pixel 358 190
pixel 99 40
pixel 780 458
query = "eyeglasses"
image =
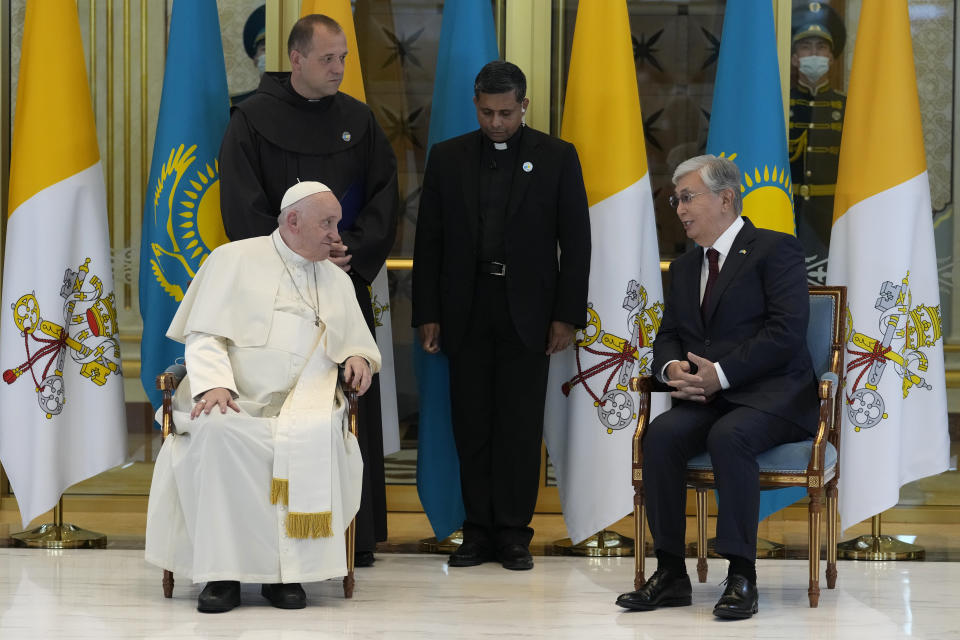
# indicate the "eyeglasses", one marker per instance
pixel 684 197
pixel 330 57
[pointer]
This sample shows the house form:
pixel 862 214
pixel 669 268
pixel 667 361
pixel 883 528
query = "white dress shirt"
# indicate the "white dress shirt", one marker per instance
pixel 722 245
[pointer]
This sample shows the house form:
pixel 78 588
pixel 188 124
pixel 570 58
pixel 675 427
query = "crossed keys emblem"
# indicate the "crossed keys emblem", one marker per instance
pixel 87 334
pixel 618 356
pixel 907 330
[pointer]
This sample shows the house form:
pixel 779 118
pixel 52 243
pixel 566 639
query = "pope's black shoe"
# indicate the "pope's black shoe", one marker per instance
pixel 665 588
pixel 219 596
pixel 285 596
pixel 739 599
pixel 470 554
pixel 515 557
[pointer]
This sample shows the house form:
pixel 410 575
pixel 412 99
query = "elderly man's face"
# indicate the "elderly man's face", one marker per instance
pixel 499 114
pixel 318 215
pixel 703 214
pixel 319 72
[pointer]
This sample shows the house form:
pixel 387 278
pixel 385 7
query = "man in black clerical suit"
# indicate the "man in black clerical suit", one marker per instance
pixel 733 347
pixel 299 127
pixel 491 289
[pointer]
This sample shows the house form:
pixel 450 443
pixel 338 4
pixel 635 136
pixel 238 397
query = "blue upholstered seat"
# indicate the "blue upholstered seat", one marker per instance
pixel 792 457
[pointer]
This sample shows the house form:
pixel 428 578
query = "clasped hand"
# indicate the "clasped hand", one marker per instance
pixel 356 372
pixel 701 386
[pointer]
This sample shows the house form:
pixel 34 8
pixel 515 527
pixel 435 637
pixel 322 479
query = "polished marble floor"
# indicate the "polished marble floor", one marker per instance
pixel 115 594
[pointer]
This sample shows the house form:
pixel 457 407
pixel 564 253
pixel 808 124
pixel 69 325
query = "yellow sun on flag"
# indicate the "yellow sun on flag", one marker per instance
pixel 202 228
pixel 767 199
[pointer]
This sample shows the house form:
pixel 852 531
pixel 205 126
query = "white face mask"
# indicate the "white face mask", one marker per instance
pixel 261 61
pixel 814 67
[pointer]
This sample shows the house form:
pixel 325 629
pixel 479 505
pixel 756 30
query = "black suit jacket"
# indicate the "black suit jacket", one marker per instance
pixel 755 325
pixel 547 209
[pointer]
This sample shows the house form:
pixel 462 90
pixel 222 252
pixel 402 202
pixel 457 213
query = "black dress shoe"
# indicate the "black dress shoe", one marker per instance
pixel 219 596
pixel 665 588
pixel 363 559
pixel 515 557
pixel 470 554
pixel 285 596
pixel 739 599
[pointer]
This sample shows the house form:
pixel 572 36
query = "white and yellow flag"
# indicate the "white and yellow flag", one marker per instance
pixel 62 415
pixel 352 85
pixel 591 414
pixel 882 249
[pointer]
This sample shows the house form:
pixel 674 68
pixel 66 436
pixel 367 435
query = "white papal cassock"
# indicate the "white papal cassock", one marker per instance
pixel 248 322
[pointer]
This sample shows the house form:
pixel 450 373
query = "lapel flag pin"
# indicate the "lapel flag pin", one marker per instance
pixel 528 166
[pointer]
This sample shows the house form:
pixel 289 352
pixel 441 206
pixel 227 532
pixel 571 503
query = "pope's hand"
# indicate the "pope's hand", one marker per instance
pixel 357 374
pixel 217 397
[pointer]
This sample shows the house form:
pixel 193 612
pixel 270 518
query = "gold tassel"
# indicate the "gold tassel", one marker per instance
pixel 279 491
pixel 310 525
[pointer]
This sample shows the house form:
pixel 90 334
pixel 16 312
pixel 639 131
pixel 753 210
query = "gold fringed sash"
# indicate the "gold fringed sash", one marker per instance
pixel 279 491
pixel 310 525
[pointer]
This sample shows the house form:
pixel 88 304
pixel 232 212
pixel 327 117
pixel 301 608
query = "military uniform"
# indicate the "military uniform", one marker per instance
pixel 816 123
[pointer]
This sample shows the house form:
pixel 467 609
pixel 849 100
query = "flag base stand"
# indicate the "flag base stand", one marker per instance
pixel 766 549
pixel 602 544
pixel 59 535
pixel 448 545
pixel 875 546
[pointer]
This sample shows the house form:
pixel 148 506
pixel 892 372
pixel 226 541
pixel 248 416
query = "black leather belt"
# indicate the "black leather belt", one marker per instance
pixel 492 268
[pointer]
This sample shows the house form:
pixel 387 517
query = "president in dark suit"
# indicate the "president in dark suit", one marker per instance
pixel 733 347
pixel 500 273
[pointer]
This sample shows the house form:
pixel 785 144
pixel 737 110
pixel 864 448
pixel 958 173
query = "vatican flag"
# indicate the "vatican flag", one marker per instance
pixel 62 415
pixel 352 85
pixel 881 248
pixel 591 414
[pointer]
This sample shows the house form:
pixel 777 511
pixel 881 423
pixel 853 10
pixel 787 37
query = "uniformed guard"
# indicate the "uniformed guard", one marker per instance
pixel 816 123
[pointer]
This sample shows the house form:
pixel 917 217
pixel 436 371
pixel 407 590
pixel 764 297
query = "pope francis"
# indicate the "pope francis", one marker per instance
pixel 263 477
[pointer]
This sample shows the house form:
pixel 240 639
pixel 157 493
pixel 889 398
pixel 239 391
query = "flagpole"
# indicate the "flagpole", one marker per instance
pixel 876 546
pixel 57 535
pixel 603 544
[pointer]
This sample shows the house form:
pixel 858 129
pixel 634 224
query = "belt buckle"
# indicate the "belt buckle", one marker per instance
pixel 502 269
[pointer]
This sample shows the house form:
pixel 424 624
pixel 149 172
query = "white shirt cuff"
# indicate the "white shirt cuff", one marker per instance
pixel 724 383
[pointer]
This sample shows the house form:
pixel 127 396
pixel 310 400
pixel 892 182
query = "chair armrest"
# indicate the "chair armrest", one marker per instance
pixel 352 403
pixel 167 383
pixel 827 391
pixel 643 385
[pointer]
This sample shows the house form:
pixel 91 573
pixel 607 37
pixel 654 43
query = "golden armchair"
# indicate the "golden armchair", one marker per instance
pixel 813 463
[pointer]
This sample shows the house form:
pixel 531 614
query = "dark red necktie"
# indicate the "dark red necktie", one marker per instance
pixel 713 260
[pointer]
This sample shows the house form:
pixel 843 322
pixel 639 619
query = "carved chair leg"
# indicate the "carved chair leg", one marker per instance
pixel 702 535
pixel 348 580
pixel 640 548
pixel 813 545
pixel 832 534
pixel 167 584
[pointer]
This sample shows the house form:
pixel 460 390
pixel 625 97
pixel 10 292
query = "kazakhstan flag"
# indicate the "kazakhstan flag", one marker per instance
pixel 181 215
pixel 747 123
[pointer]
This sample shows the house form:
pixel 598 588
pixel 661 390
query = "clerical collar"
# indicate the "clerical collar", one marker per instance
pixel 287 254
pixel 314 102
pixel 511 142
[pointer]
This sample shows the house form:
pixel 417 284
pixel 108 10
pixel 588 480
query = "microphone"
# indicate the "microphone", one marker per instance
pixel 493 164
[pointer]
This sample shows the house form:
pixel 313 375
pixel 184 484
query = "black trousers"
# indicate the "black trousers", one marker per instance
pixel 372 516
pixel 734 435
pixel 497 392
